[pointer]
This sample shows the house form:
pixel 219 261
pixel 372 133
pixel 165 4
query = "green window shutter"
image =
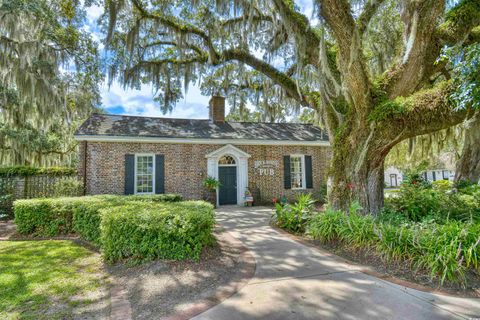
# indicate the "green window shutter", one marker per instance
pixel 159 174
pixel 308 172
pixel 287 181
pixel 129 174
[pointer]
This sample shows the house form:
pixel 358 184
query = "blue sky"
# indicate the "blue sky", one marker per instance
pixel 117 100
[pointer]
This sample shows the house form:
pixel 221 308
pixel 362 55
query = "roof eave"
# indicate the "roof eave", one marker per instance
pixel 139 139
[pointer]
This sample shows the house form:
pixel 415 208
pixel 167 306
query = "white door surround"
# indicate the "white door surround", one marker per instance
pixel 241 159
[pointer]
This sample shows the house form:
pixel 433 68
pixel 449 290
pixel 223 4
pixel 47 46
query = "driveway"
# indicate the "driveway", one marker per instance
pixel 294 281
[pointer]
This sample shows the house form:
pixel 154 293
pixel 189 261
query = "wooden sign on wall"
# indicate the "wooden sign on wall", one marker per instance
pixel 266 167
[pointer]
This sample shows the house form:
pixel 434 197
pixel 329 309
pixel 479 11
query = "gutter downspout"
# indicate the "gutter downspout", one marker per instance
pixel 85 168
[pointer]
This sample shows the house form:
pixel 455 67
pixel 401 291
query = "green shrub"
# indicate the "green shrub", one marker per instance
pixel 323 226
pixel 143 227
pixel 389 215
pixel 68 187
pixel 415 203
pixel 463 184
pixel 357 230
pixel 6 202
pixel 420 203
pixel 86 218
pixel 168 231
pixel 395 241
pixel 472 190
pixel 352 228
pixel 294 217
pixel 442 185
pixel 445 250
pixel 168 197
pixel 414 178
pixel 45 217
pixel 55 216
pixel 32 171
pixel 323 193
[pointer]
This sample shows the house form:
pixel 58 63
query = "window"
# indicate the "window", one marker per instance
pixel 144 174
pixel 445 174
pixel 226 161
pixel 393 180
pixel 297 171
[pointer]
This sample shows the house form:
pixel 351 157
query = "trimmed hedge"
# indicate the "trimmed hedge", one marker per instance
pixel 32 171
pixel 138 227
pixel 49 217
pixel 45 217
pixel 167 231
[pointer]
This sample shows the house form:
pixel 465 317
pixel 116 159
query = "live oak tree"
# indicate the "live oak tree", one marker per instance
pixel 247 88
pixel 371 94
pixel 49 76
pixel 466 74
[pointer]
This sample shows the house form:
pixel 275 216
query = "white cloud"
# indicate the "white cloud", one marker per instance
pixel 140 102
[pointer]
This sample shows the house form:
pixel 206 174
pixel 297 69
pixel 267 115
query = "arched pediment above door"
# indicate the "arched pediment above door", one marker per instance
pixel 231 156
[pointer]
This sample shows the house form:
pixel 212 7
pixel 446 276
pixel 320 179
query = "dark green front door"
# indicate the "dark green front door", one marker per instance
pixel 228 185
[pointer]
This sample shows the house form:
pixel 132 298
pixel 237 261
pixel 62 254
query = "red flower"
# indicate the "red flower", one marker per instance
pixel 350 186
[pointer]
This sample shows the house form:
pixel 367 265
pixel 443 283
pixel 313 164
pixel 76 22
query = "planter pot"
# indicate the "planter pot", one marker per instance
pixel 211 197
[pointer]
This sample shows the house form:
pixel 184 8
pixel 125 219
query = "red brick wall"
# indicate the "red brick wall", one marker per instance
pixel 186 167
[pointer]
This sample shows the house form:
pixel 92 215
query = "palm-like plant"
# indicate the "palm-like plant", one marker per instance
pixel 211 184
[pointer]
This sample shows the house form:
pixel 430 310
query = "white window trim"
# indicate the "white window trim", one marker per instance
pixel 304 182
pixel 153 173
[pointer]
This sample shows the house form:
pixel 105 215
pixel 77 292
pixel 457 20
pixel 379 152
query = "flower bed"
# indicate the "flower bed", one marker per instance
pixel 434 230
pixel 445 250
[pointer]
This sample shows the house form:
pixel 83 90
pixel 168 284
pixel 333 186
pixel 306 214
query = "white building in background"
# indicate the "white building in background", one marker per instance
pixel 394 176
pixel 437 174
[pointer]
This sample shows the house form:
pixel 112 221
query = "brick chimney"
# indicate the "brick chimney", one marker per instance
pixel 217 109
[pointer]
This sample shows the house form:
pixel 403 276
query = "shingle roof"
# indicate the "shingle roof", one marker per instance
pixel 134 126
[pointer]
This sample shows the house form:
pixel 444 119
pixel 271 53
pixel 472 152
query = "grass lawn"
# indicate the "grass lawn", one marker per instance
pixel 50 280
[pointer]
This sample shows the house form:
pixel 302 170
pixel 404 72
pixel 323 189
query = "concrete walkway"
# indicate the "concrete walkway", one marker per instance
pixel 294 281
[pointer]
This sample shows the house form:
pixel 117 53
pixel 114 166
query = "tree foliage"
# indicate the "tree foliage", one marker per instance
pixel 466 74
pixel 49 76
pixel 369 69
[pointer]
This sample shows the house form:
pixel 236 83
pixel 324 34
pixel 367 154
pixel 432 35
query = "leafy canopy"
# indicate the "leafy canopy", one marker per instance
pixel 49 76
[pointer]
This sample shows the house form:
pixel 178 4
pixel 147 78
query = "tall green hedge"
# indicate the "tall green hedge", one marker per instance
pixel 49 217
pixel 32 171
pixel 167 231
pixel 140 227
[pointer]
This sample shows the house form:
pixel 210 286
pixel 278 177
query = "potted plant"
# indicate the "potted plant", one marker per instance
pixel 248 197
pixel 211 184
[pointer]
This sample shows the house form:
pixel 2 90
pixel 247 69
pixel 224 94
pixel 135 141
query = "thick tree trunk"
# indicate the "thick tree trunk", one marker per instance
pixel 366 187
pixel 468 166
pixel 357 172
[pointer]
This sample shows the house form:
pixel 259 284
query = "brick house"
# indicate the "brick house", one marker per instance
pixel 143 155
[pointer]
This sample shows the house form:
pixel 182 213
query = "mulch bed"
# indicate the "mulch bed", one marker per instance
pixel 402 270
pixel 7 229
pixel 168 289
